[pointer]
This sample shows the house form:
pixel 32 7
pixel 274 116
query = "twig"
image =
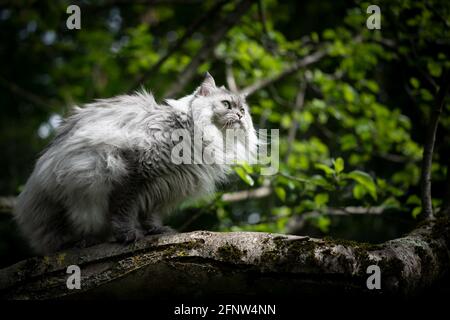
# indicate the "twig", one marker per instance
pixel 287 176
pixel 277 98
pixel 110 3
pixel 303 62
pixel 427 207
pixel 445 210
pixel 393 157
pixel 393 45
pixel 299 102
pixel 266 40
pixel 247 194
pixel 231 81
pixel 208 48
pixel 262 16
pixel 188 33
pixel 20 92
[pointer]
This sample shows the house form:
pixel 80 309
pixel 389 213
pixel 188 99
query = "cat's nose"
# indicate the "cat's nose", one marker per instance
pixel 239 115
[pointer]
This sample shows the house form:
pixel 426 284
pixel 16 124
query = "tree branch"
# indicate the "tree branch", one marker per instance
pixel 111 3
pixel 303 62
pixel 208 48
pixel 22 93
pixel 262 17
pixel 445 210
pixel 231 81
pixel 204 264
pixel 299 102
pixel 242 195
pixel 427 207
pixel 188 33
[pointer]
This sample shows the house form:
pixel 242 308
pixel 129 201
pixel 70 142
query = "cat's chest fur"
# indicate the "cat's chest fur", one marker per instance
pixel 165 182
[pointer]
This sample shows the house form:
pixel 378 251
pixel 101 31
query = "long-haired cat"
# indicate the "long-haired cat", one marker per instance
pixel 109 172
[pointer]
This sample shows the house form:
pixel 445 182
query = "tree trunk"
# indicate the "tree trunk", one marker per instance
pixel 206 264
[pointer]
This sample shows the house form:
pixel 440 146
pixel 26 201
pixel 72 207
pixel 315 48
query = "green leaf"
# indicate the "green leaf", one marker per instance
pixel 365 180
pixel 248 168
pixel 416 211
pixel 281 193
pixel 391 203
pixel 414 82
pixel 320 181
pixel 323 223
pixel 339 165
pixel 434 68
pixel 349 94
pixel 244 176
pixel 414 200
pixel 321 199
pixel 324 168
pixel 359 191
pixel 328 34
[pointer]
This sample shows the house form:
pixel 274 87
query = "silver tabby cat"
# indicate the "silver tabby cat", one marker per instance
pixel 109 174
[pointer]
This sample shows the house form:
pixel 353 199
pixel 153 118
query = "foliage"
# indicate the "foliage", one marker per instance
pixel 357 136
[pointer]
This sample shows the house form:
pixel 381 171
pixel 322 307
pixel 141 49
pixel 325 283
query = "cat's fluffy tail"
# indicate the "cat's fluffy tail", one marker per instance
pixel 39 218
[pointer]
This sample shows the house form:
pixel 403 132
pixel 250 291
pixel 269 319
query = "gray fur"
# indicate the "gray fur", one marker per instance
pixel 108 172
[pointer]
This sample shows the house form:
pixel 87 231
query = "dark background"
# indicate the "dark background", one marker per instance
pixel 365 110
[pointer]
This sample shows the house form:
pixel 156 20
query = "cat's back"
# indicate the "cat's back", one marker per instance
pixel 116 112
pixel 92 138
pixel 116 121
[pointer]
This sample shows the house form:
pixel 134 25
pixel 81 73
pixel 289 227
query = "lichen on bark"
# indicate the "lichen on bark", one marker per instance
pixel 204 263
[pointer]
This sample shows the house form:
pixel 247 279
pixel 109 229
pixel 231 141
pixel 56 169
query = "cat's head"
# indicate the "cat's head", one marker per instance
pixel 225 109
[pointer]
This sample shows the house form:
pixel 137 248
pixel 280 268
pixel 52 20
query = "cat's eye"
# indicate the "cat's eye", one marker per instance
pixel 242 110
pixel 227 104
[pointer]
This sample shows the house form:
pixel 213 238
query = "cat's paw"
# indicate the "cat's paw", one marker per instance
pixel 129 236
pixel 158 230
pixel 81 244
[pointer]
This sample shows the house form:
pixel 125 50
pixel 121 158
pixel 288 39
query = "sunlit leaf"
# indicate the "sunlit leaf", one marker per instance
pixel 359 191
pixel 244 176
pixel 321 199
pixel 416 211
pixel 339 165
pixel 365 180
pixel 281 193
pixel 324 168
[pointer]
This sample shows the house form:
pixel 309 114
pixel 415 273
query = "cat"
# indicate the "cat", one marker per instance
pixel 109 172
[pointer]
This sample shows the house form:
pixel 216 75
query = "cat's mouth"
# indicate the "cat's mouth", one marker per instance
pixel 232 124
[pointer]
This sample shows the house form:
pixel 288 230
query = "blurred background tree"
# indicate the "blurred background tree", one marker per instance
pixel 351 103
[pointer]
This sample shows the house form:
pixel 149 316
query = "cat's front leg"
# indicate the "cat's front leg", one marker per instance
pixel 124 214
pixel 158 229
pixel 152 224
pixel 125 227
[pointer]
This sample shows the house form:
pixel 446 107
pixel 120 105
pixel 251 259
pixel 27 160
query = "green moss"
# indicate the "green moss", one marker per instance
pixel 230 252
pixel 180 249
pixel 270 256
pixel 291 253
pixel 351 243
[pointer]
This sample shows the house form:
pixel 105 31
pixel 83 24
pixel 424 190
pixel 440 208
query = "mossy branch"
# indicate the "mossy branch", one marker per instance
pixel 205 264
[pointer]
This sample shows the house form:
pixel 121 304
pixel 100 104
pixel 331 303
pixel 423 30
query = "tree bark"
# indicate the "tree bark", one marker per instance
pixel 428 148
pixel 205 264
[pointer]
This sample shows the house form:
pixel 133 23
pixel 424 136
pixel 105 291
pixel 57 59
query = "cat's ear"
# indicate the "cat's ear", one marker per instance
pixel 207 87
